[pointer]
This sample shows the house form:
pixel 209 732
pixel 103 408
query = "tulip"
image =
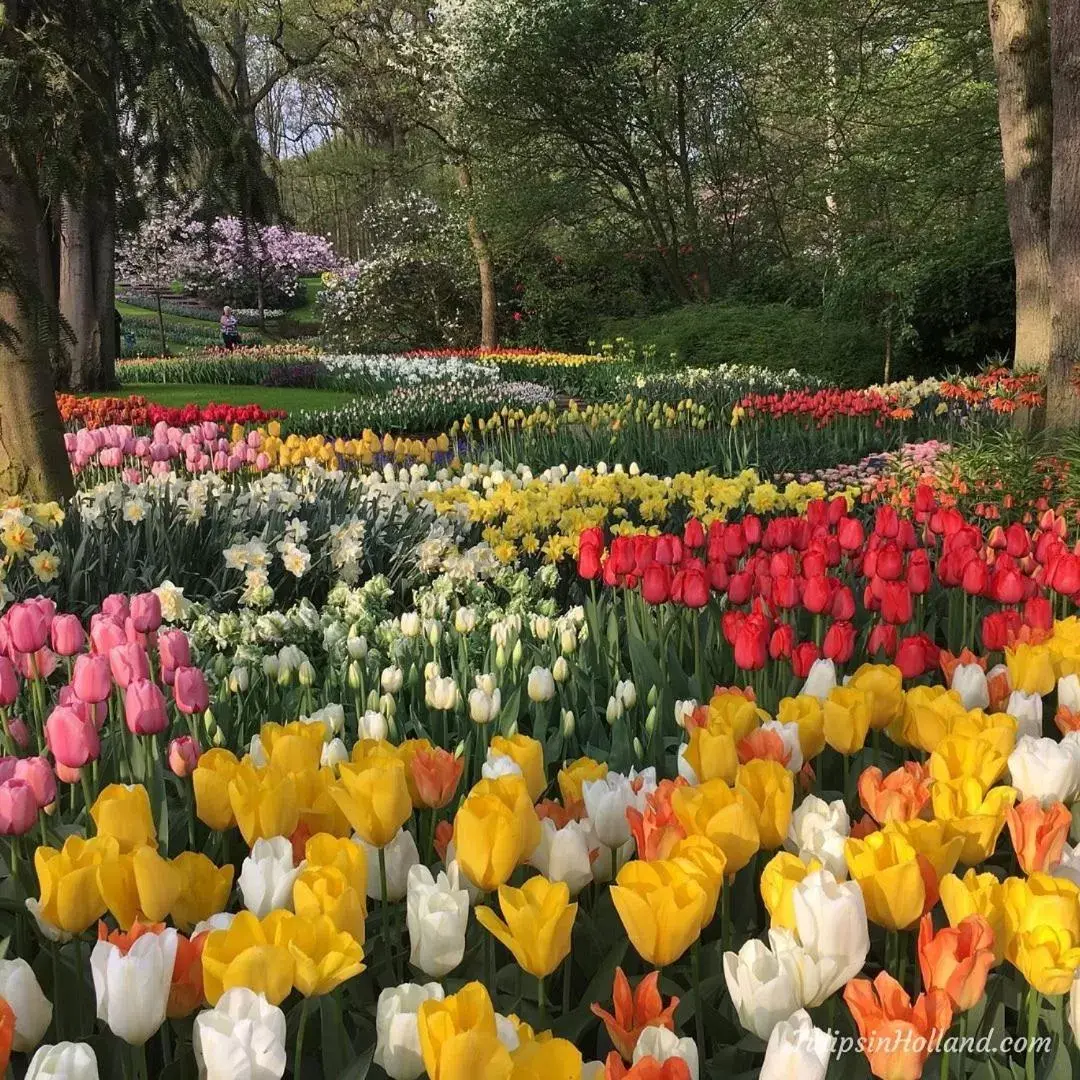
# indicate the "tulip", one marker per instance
pixel 210 780
pixel 204 889
pixel 661 908
pixel 70 900
pixel 889 871
pixel 18 807
pixel 190 691
pixel 33 1010
pixel 91 678
pixel 898 1036
pixel 1038 835
pixel 243 1035
pixel 635 1011
pixel 806 713
pixel 817 831
pixel 374 799
pixel 970 682
pixel 72 738
pixel 28 627
pixel 975 818
pixel 245 954
pixel 264 802
pixel 540 685
pixel 324 957
pixel 437 915
pixel 772 789
pixel 127 663
pixel 607 800
pixel 539 920
pixel 900 796
pixel 1028 712
pixel 566 854
pixel 528 755
pixel 1031 668
pixel 484 707
pixel 449 1025
pixel 329 891
pixel 132 988
pixel 145 611
pixel 9 683
pixel 957 960
pixel 728 818
pixel 976 894
pixel 764 984
pixel 797 1049
pixel 1045 770
pixel 141 885
pixel 821 680
pixel 123 811
pixel 572 777
pixel 66 635
pixel 830 919
pixel 144 708
pixel 662 1045
pixel 398 858
pixel 64 1061
pixel 847 713
pixel 184 754
pixel 711 755
pixel 397 1047
pixel 777 884
pixel 436 774
pixel 267 876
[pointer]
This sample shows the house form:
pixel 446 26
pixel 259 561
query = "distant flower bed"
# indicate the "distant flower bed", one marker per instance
pixel 138 412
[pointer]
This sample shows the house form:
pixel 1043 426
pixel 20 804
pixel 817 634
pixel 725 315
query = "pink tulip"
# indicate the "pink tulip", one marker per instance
pixel 144 708
pixel 136 637
pixel 38 773
pixel 9 683
pixel 7 767
pixel 111 457
pixel 28 627
pixel 18 730
pixel 184 754
pixel 67 635
pixel 67 774
pixel 106 632
pixel 190 691
pixel 72 739
pixel 174 649
pixel 38 665
pixel 127 663
pixel 91 678
pixel 146 612
pixel 18 808
pixel 116 606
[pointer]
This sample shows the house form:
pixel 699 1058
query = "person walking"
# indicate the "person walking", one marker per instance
pixel 230 334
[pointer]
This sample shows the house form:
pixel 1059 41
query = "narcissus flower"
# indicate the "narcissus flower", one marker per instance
pixel 539 920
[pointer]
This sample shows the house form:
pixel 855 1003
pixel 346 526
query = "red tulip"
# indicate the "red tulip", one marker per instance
pixel 589 563
pixel 718 575
pixel 693 534
pixel 751 643
pixel 976 579
pixel 1007 586
pixel 695 590
pixel 739 587
pixel 843 604
pixel 896 603
pixel 1038 614
pixel 849 532
pixel 656 584
pixel 918 572
pixel 751 529
pixel 998 628
pixel 802 658
pixel 782 641
pixel 883 639
pixel 839 643
pixel 668 550
pixel 817 595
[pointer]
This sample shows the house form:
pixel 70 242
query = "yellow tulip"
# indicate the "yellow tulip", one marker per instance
pixel 375 799
pixel 487 841
pixel 204 889
pixel 706 864
pixel 211 782
pixel 319 811
pixel 324 956
pixel 326 891
pixel 245 955
pixel 123 811
pixel 1047 957
pixel 805 710
pixel 847 713
pixel 512 792
pixel 468 1012
pixel 376 751
pixel 295 747
pixel 778 880
pixel 322 849
pixel 473 1054
pixel 772 789
pixel 884 683
pixel 661 908
pixel 976 894
pixel 70 898
pixel 528 755
pixel 929 839
pixel 264 803
pixel 539 920
pixel 959 756
pixel 1037 901
pixel 141 886
pixel 996 729
pixel 728 818
pixel 887 870
pixel 574 775
pixel 730 711
pixel 1031 668
pixel 711 754
pixel 969 814
pixel 929 712
pixel 546 1059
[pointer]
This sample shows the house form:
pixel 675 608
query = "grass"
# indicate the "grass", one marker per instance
pixel 130 311
pixel 268 397
pixel 306 312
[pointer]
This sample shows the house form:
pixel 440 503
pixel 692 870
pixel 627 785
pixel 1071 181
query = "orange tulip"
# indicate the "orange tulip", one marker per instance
pixel 657 830
pixel 436 774
pixel 950 663
pixel 1038 835
pixel 7 1033
pixel 635 1011
pixel 957 959
pixel 900 796
pixel 648 1068
pixel 1066 720
pixel 899 1036
pixel 761 743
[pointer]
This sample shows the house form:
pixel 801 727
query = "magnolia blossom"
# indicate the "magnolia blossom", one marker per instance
pixel 797 1049
pixel 437 914
pixel 133 989
pixel 660 1043
pixel 397 1047
pixel 267 876
pixel 243 1035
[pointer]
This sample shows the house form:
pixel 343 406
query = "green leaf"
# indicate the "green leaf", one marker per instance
pixel 358 1070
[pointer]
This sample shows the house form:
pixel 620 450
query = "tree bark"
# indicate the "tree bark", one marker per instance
pixel 1062 400
pixel 33 461
pixel 489 335
pixel 104 252
pixel 1019 31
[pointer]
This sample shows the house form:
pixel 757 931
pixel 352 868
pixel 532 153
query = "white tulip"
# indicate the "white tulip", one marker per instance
pixel 797 1049
pixel 64 1061
pixel 685 769
pixel 560 670
pixel 333 754
pixel 626 692
pixel 563 854
pixel 1068 693
pixel 397 1047
pixel 401 855
pixel 239 679
pixel 660 1043
pixel 267 876
pixel 1069 866
pixel 221 921
pixel 970 682
pixel 465 620
pixel 614 709
pixel 830 919
pixel 1027 709
pixel 684 710
pixel 765 985
pixel 606 802
pixel 789 736
pixel 372 725
pixel 437 914
pixel 818 830
pixel 484 707
pixel 391 679
pixel 593 1070
pixel 133 989
pixel 821 680
pixel 33 1010
pixel 1074 1007
pixel 497 765
pixel 1045 769
pixel 410 624
pixel 568 642
pixel 243 1035
pixel 332 716
pixel 541 685
pixel 441 693
pixel 357 647
pixel 541 627
pixel 257 752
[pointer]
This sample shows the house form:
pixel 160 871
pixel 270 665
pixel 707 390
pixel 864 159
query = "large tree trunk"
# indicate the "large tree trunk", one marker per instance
pixel 489 334
pixel 105 290
pixel 1062 400
pixel 33 461
pixel 1019 29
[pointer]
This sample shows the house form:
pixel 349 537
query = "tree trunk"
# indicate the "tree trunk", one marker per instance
pixel 1062 400
pixel 33 461
pixel 1019 32
pixel 104 236
pixel 489 335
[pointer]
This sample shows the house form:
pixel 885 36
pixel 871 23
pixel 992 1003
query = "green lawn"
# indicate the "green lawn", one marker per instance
pixel 131 311
pixel 306 313
pixel 269 397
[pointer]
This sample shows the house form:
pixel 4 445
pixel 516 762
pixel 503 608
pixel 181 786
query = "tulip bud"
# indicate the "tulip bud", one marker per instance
pixel 613 710
pixel 487 683
pixel 568 723
pixel 541 627
pixel 410 624
pixel 560 670
pixel 639 753
pixel 515 656
pixel 270 667
pixel 184 754
pixel 568 641
pixel 651 697
pixel 391 679
pixel 353 675
pixel 500 657
pixel 434 633
pixel 650 721
pixel 387 705
pixel 465 620
pixel 306 674
pixel 432 670
pixel 626 692
pixel 357 647
pixel 239 679
pixel 541 685
pixel 373 699
pixel 284 675
pixel 221 666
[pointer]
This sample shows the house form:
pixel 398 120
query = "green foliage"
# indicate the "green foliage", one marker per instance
pixel 768 335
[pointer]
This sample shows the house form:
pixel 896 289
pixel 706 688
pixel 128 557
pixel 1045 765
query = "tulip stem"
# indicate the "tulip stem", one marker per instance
pixel 614 864
pixel 699 1015
pixel 962 1050
pixel 541 1001
pixel 385 908
pixel 138 1057
pixel 298 1065
pixel 80 982
pixel 1032 1030
pixel 566 985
